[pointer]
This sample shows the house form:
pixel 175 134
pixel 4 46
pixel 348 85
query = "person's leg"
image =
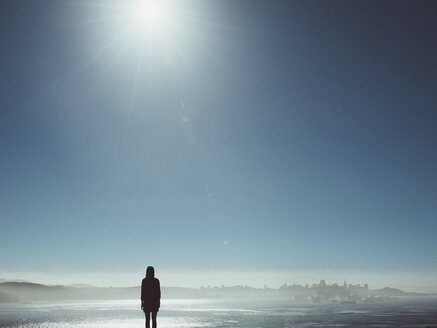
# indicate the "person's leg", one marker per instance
pixel 147 319
pixel 154 324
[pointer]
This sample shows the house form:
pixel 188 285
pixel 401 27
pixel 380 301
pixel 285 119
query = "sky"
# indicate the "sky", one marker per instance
pixel 219 141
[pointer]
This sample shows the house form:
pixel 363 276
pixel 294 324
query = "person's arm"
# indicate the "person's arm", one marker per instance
pixel 159 294
pixel 142 295
pixel 159 290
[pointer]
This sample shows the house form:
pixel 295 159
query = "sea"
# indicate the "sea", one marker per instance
pixel 253 313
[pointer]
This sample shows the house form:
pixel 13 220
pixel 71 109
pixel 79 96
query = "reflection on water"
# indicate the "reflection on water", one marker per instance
pixel 408 312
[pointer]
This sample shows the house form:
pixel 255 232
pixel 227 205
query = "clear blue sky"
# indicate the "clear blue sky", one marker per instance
pixel 237 135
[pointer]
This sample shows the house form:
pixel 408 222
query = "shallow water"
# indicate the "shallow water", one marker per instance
pixel 405 312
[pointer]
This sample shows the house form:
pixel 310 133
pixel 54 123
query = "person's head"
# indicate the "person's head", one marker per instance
pixel 150 273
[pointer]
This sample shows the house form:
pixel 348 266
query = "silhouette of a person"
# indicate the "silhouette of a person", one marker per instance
pixel 150 296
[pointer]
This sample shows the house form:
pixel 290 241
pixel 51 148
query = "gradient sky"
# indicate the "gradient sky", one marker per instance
pixel 243 136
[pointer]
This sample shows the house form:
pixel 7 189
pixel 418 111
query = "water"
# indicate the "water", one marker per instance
pixel 406 312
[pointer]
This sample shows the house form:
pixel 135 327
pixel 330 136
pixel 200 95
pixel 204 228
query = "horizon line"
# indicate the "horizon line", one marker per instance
pixel 408 281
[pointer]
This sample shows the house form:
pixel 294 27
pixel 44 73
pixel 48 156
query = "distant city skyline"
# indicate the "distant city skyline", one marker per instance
pixel 407 281
pixel 257 139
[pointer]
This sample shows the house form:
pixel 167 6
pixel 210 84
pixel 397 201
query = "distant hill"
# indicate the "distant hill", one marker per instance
pixel 33 292
pixel 80 286
pixel 12 280
pixel 6 298
pixel 26 291
pixel 395 292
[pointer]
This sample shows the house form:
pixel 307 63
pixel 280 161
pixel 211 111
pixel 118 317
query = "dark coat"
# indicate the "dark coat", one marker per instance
pixel 150 294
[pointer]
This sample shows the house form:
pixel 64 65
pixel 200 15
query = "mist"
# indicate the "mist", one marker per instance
pixel 408 281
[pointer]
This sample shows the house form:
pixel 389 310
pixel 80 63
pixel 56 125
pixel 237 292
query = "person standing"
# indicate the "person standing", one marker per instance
pixel 150 296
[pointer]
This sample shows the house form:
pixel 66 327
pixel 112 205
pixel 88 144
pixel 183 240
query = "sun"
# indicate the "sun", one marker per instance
pixel 149 15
